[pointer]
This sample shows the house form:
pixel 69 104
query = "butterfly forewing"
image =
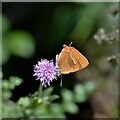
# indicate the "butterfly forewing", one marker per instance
pixel 80 59
pixel 71 60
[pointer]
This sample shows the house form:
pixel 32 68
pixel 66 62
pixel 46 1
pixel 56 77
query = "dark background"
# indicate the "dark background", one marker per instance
pixel 52 25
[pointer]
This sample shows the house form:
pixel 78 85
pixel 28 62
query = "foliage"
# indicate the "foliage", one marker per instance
pixel 15 42
pixel 44 105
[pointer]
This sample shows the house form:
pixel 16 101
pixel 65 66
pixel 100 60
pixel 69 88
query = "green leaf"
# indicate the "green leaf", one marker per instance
pixel 6 85
pixel 20 43
pixel 39 101
pixel 89 87
pixel 80 94
pixel 9 110
pixel 67 95
pixel 11 83
pixel 24 101
pixel 41 111
pixel 56 109
pixel 70 107
pixel 54 97
pixel 28 112
pixel 48 91
pixel 15 80
pixel 6 95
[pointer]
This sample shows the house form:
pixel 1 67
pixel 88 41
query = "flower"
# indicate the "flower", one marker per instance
pixel 45 71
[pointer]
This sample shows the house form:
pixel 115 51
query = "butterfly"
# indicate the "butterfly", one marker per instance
pixel 70 60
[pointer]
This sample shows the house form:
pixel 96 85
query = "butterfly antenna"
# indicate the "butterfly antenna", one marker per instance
pixel 70 43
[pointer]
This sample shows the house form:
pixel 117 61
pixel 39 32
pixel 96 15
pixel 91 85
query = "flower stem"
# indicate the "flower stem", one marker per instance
pixel 40 90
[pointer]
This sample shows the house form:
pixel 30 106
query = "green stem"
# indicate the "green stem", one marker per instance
pixel 40 90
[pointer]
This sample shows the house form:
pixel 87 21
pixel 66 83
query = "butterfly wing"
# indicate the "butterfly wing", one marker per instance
pixel 71 60
pixel 63 63
pixel 79 58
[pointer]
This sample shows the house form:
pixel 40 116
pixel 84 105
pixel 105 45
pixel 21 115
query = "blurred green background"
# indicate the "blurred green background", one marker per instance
pixel 31 31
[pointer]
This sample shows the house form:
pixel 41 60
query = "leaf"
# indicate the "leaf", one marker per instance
pixel 47 91
pixel 54 97
pixel 56 109
pixel 16 80
pixel 9 110
pixel 89 87
pixel 80 94
pixel 6 95
pixel 24 101
pixel 5 85
pixel 12 82
pixel 70 107
pixel 41 111
pixel 67 95
pixel 20 43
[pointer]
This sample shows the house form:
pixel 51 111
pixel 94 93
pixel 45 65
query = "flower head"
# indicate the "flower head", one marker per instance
pixel 45 71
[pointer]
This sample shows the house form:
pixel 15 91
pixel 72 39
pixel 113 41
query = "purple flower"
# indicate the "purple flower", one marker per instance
pixel 45 71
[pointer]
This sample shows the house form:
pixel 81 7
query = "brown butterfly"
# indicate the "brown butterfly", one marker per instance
pixel 70 60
